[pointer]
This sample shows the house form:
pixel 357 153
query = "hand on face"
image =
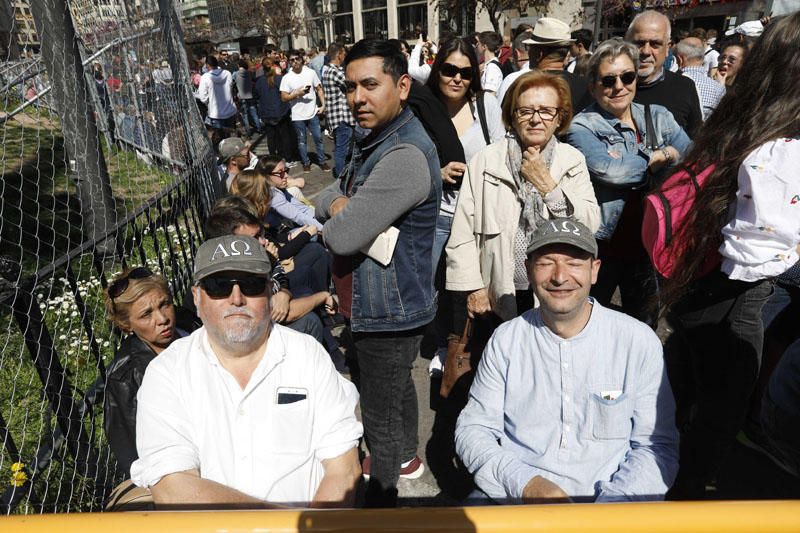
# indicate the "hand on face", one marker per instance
pixel 533 129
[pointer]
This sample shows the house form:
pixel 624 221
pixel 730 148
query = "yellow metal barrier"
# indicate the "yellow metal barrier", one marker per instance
pixel 728 517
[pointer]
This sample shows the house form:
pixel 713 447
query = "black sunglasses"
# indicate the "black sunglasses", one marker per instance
pixel 627 78
pixel 450 70
pixel 222 287
pixel 119 286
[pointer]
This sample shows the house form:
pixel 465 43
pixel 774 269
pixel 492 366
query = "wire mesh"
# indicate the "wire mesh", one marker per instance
pixel 105 163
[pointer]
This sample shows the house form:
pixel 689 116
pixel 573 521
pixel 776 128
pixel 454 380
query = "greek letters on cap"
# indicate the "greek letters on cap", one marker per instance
pixel 237 248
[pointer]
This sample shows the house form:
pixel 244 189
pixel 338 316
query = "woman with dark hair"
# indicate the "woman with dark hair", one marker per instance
pixel 747 211
pixel 274 113
pixel 455 81
pixel 731 57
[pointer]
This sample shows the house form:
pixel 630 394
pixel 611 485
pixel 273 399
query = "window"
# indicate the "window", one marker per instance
pixel 343 29
pixel 412 19
pixel 376 25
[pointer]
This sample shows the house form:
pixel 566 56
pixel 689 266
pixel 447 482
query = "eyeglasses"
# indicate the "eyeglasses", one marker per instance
pixel 221 287
pixel 546 114
pixel 450 70
pixel 611 80
pixel 728 59
pixel 293 59
pixel 278 173
pixel 119 286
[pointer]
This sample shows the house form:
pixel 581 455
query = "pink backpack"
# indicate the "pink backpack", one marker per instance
pixel 665 211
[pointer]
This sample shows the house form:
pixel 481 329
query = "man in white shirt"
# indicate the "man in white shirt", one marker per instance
pixel 244 412
pixel 492 76
pixel 299 86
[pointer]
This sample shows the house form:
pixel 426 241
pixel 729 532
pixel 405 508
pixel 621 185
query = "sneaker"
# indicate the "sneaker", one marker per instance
pixel 306 168
pixel 325 167
pixel 292 164
pixel 436 368
pixel 412 469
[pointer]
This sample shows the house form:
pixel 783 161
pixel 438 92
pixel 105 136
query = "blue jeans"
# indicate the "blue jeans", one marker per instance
pixel 388 407
pixel 249 114
pixel 300 128
pixel 341 135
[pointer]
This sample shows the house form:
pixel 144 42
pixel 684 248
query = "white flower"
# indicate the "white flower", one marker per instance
pixel 62 337
pixel 73 314
pixel 106 344
pixel 42 306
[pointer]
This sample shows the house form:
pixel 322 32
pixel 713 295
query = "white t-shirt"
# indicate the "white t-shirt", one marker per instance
pixel 192 413
pixel 492 76
pixel 304 107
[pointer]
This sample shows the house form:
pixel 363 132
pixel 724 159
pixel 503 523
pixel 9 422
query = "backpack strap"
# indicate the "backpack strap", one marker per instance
pixel 667 217
pixel 650 130
pixel 482 118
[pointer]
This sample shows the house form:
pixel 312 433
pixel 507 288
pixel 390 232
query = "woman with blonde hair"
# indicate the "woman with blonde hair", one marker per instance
pixel 139 304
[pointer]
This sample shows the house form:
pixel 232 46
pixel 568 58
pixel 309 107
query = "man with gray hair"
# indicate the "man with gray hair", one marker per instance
pixel 244 412
pixel 690 58
pixel 650 32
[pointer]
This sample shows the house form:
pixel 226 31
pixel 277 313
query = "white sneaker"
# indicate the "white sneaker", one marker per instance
pixel 436 367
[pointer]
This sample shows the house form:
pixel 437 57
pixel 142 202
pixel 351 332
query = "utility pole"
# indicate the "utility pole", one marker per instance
pixel 86 162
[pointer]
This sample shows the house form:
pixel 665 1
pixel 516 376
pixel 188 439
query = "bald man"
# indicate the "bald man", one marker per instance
pixel 650 32
pixel 690 53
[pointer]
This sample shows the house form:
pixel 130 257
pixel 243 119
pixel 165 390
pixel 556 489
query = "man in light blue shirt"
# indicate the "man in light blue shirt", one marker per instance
pixel 571 400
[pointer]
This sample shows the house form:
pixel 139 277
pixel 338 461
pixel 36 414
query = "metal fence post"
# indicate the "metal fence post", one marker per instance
pixel 87 164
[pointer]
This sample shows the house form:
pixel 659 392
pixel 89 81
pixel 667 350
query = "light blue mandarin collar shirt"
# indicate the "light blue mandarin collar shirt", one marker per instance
pixel 594 413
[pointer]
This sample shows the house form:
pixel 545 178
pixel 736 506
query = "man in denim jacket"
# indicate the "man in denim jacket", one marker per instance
pixel 391 179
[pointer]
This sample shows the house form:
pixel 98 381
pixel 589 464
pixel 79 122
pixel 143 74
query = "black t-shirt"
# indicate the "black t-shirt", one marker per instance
pixel 678 94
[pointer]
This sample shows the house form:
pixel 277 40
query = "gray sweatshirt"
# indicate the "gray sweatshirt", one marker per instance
pixel 399 182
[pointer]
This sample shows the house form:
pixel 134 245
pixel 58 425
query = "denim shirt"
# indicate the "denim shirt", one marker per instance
pixel 399 296
pixel 617 162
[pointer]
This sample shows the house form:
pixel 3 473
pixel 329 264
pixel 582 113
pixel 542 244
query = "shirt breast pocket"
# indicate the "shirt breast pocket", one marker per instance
pixel 610 419
pixel 290 430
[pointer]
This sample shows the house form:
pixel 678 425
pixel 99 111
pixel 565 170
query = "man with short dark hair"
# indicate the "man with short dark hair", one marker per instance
pixel 548 48
pixel 491 76
pixel 570 400
pixel 299 86
pixel 340 119
pixel 381 218
pixel 650 31
pixel 579 48
pixel 244 412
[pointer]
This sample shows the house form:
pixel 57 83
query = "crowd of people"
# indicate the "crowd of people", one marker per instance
pixel 556 202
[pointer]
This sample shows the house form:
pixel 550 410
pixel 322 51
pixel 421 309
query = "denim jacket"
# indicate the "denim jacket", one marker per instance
pixel 399 296
pixel 617 162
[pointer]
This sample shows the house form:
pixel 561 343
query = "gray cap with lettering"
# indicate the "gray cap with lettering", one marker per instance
pixel 563 231
pixel 231 252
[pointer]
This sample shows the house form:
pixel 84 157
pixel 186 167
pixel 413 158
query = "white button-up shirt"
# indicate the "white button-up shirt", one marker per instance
pixel 193 414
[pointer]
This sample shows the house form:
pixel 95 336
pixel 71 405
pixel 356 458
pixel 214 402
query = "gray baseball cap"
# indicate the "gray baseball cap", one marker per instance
pixel 231 252
pixel 230 147
pixel 563 231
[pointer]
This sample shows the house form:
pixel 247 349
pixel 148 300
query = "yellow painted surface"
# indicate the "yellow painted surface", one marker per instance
pixel 728 517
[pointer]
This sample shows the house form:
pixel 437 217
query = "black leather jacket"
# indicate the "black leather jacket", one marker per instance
pixel 123 379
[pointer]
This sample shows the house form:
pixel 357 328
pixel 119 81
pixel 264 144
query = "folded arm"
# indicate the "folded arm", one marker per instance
pixel 188 488
pixel 338 485
pixel 611 165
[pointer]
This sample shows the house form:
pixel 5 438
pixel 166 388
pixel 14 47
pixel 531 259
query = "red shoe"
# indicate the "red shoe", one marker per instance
pixel 411 470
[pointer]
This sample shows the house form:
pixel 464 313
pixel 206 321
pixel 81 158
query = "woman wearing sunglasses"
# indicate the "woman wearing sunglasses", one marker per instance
pixel 730 60
pixel 624 154
pixel 139 304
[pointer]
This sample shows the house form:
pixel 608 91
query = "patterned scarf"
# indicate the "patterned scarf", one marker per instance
pixel 532 202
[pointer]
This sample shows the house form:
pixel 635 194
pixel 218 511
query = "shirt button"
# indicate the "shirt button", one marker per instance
pixel 566 398
pixel 241 411
pixel 566 428
pixel 565 365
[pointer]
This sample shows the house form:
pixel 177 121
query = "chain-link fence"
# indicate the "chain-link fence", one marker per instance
pixel 105 163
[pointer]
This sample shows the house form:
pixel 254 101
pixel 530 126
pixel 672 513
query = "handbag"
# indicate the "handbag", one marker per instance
pixel 458 360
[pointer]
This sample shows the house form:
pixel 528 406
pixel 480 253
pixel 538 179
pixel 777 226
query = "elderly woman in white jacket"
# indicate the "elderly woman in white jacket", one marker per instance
pixel 512 186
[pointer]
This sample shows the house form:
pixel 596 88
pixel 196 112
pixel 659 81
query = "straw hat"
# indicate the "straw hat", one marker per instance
pixel 550 31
